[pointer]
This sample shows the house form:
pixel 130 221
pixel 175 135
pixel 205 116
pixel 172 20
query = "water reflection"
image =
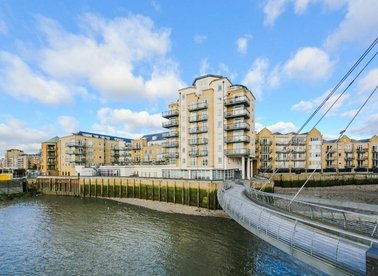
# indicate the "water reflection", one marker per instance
pixel 73 236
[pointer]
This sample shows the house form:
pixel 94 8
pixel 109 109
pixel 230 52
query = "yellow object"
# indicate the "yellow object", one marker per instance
pixel 6 176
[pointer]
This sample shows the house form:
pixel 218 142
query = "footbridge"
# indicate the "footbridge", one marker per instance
pixel 336 241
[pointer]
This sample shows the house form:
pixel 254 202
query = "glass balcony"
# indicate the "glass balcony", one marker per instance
pixel 237 100
pixel 169 134
pixel 199 141
pixel 238 139
pixel 198 153
pixel 170 123
pixel 198 118
pixel 194 130
pixel 75 144
pixel 197 106
pixel 237 113
pixel 170 113
pixel 238 126
pixel 238 152
pixel 172 144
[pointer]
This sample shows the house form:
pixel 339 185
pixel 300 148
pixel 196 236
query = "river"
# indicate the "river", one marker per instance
pixel 50 235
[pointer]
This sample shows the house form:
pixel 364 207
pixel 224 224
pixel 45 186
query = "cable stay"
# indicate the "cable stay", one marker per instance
pixel 361 58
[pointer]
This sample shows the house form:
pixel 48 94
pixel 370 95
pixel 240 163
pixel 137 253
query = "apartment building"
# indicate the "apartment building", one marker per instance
pixel 18 159
pixel 60 155
pixel 350 155
pixel 148 150
pixel 211 131
pixel 289 152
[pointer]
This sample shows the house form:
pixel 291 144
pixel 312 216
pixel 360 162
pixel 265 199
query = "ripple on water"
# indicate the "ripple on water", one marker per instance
pixel 73 236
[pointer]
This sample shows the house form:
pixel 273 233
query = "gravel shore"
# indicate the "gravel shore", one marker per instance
pixel 355 193
pixel 171 207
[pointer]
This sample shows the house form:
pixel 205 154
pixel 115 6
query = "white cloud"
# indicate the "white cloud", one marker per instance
pixel 368 126
pixel 282 127
pixel 199 38
pixel 300 6
pixel 309 63
pixel 242 43
pixel 272 10
pixel 127 123
pixel 256 76
pixel 360 24
pixel 156 5
pixel 349 113
pixel 18 80
pixel 108 54
pixel 204 67
pixel 3 27
pixel 15 134
pixel 302 106
pixel 369 82
pixel 68 123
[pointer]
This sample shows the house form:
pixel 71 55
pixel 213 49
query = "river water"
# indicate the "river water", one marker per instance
pixel 51 235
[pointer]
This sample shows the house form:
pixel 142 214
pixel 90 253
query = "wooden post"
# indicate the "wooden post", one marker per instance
pixel 160 190
pixel 107 190
pixel 182 194
pixel 102 187
pixel 127 187
pixel 198 195
pixel 189 193
pixel 96 187
pixel 90 186
pixel 139 189
pixel 153 184
pixel 174 192
pixel 208 194
pixel 134 188
pixel 166 191
pixel 120 187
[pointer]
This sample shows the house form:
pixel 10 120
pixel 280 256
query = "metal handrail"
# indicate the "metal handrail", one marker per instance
pixel 352 221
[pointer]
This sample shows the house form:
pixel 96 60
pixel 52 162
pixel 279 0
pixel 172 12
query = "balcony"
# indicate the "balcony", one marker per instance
pixel 265 143
pixel 238 152
pixel 51 149
pixel 330 158
pixel 69 152
pixel 198 118
pixel 170 123
pixel 362 158
pixel 136 147
pixel 237 113
pixel 198 153
pixel 51 163
pixel 170 113
pixel 237 139
pixel 194 130
pixel 283 150
pixel 200 141
pixel 170 155
pixel 238 126
pixel 197 106
pixel 75 144
pixel 349 159
pixel 236 101
pixel 362 150
pixel 172 144
pixel 299 150
pixel 348 150
pixel 169 134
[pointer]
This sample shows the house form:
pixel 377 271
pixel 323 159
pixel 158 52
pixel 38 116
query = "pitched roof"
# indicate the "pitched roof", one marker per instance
pixel 153 137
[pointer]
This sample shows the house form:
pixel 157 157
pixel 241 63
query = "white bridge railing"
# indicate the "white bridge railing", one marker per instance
pixel 327 247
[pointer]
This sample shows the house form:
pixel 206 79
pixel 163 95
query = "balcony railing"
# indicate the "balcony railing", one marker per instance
pixel 198 118
pixel 170 113
pixel 51 149
pixel 238 126
pixel 197 106
pixel 349 158
pixel 362 150
pixel 172 144
pixel 362 158
pixel 174 133
pixel 348 150
pixel 69 152
pixel 197 130
pixel 170 123
pixel 171 155
pixel 197 153
pixel 237 113
pixel 199 141
pixel 266 143
pixel 237 100
pixel 237 139
pixel 136 147
pixel 238 152
pixel 74 144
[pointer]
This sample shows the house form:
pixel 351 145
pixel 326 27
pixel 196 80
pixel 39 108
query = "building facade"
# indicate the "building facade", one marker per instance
pixel 17 159
pixel 211 131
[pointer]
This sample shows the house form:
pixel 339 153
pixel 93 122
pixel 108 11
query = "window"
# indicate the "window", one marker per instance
pixel 204 162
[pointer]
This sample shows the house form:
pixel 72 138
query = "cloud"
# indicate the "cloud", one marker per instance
pixel 156 6
pixel 272 10
pixel 359 24
pixel 3 27
pixel 242 43
pixel 68 123
pixel 368 126
pixel 16 134
pixel 282 127
pixel 18 80
pixel 309 63
pixel 127 123
pixel 199 39
pixel 256 76
pixel 302 106
pixel 369 81
pixel 204 67
pixel 118 57
pixel 300 6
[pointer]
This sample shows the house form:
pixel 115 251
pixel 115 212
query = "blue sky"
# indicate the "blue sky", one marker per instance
pixel 113 66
